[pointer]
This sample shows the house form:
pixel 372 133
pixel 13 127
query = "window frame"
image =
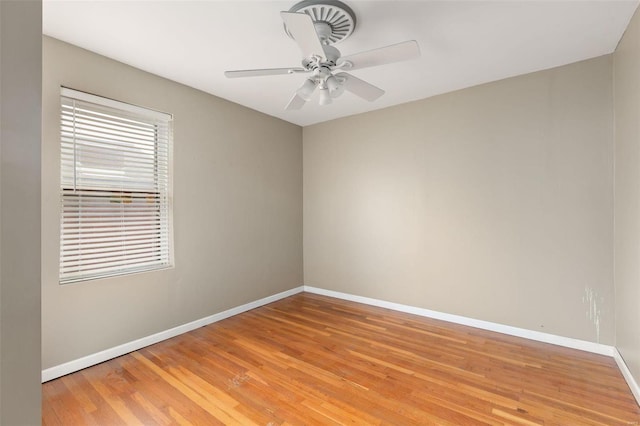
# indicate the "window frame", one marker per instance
pixel 158 211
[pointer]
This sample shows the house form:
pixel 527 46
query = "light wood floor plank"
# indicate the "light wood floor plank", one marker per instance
pixel 311 359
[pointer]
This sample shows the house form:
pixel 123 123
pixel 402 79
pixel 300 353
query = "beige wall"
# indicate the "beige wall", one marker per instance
pixel 237 212
pixel 20 135
pixel 493 202
pixel 627 195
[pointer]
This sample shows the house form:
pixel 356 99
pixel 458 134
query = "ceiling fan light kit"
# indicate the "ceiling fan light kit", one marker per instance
pixel 335 86
pixel 315 25
pixel 325 97
pixel 306 90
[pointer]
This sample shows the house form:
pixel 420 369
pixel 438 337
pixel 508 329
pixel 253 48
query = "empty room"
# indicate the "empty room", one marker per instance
pixel 320 212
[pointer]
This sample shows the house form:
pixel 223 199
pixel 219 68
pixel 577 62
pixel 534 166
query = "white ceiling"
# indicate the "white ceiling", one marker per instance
pixel 463 43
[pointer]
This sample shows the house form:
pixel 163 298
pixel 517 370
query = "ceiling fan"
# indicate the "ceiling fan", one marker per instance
pixel 315 25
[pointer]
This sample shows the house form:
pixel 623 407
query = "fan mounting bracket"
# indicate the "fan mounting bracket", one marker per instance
pixel 334 21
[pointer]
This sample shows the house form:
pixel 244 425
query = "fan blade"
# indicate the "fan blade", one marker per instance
pixel 360 88
pixel 296 102
pixel 383 55
pixel 267 71
pixel 301 28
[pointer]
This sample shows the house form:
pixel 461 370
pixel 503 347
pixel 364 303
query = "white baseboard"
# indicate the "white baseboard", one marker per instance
pixel 485 325
pixel 626 373
pixel 96 358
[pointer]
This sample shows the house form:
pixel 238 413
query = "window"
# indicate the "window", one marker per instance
pixel 114 188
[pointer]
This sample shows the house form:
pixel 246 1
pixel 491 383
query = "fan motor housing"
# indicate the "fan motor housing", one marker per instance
pixel 334 21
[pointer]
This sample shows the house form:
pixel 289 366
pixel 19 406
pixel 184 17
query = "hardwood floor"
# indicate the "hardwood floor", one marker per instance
pixel 311 359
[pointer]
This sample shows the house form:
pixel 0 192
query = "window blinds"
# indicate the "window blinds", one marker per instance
pixel 114 186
